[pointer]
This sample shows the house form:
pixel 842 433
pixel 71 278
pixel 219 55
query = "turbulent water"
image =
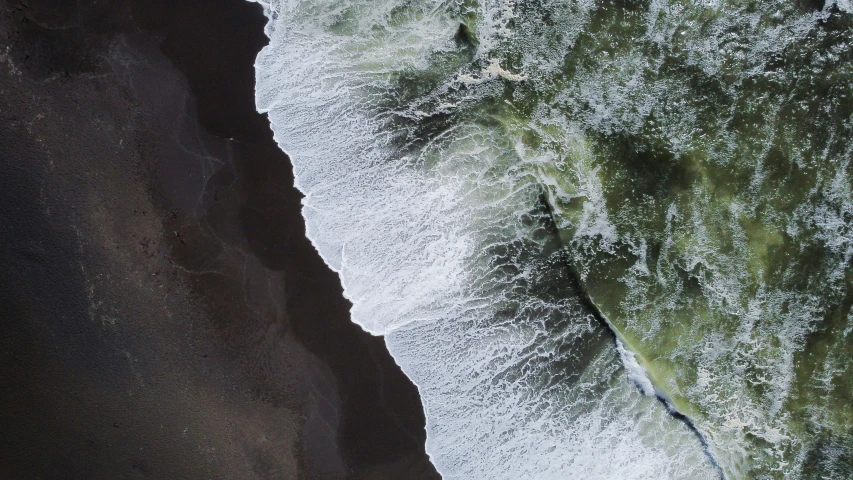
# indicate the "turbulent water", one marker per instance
pixel 606 239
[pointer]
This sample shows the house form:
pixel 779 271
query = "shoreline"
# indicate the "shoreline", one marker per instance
pixel 196 316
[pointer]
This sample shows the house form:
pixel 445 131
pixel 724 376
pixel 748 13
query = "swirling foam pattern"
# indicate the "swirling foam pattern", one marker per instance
pixel 556 211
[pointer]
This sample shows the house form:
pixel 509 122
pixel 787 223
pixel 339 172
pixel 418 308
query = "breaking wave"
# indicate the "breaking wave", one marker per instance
pixel 560 213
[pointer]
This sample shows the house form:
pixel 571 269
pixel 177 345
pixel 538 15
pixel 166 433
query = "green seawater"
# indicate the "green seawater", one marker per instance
pixel 694 158
pixel 685 174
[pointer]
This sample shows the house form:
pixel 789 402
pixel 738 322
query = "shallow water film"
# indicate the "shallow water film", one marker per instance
pixel 606 239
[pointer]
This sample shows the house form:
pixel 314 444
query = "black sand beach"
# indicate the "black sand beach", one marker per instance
pixel 163 314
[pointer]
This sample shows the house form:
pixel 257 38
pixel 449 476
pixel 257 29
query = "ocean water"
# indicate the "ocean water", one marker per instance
pixel 605 239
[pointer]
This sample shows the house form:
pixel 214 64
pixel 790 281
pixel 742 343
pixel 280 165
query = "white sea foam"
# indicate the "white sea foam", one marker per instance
pixel 636 372
pixel 439 249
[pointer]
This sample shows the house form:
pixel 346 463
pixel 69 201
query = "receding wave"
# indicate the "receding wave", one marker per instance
pixel 605 239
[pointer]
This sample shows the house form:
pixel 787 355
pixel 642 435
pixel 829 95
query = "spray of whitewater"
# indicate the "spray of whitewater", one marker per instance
pixel 503 185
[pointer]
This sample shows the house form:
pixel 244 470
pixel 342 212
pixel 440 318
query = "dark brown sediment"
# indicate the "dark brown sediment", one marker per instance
pixel 162 313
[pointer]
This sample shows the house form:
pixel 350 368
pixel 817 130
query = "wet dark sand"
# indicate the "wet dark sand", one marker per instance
pixel 161 313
